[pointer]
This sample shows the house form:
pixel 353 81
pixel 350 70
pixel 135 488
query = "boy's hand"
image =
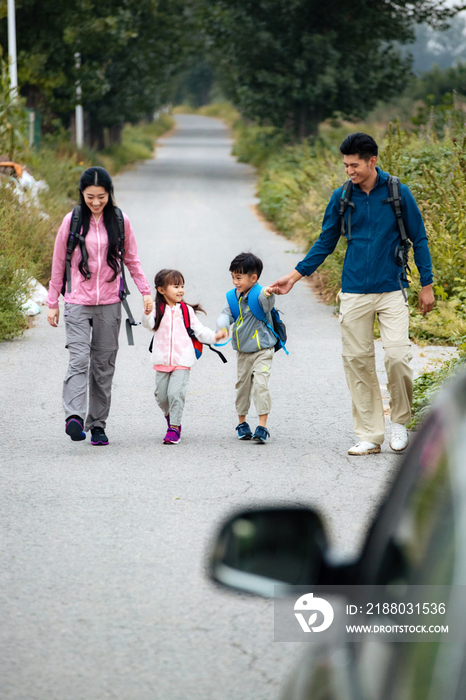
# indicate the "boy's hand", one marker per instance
pixel 268 291
pixel 148 304
pixel 222 333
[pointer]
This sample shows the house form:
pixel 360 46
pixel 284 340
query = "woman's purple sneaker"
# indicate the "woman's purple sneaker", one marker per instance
pixel 98 436
pixel 74 427
pixel 173 436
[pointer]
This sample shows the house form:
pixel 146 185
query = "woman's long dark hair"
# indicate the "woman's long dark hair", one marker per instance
pixel 99 177
pixel 163 279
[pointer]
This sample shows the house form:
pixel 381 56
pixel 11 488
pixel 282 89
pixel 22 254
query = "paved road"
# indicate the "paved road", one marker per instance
pixel 103 589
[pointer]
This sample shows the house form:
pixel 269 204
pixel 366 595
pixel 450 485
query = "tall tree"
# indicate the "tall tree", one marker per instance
pixel 129 50
pixel 293 63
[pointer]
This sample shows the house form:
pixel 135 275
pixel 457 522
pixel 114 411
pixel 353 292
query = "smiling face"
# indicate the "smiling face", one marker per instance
pixel 243 282
pixel 96 198
pixel 361 172
pixel 172 293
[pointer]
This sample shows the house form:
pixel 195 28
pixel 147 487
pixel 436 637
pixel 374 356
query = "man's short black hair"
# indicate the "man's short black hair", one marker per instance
pixel 361 145
pixel 247 264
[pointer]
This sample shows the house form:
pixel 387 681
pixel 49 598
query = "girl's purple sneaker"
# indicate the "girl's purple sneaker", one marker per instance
pixel 173 436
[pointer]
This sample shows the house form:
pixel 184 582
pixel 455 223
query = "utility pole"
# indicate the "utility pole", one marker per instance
pixel 79 107
pixel 12 49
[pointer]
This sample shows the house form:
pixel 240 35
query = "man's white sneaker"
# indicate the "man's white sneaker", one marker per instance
pixel 364 448
pixel 398 437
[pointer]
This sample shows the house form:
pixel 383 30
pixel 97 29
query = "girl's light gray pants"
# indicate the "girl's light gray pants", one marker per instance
pixel 92 341
pixel 170 393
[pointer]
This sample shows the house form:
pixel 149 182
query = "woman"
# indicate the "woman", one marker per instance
pixel 93 306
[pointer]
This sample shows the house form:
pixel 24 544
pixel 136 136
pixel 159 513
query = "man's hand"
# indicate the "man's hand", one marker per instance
pixel 148 304
pixel 52 317
pixel 426 299
pixel 285 284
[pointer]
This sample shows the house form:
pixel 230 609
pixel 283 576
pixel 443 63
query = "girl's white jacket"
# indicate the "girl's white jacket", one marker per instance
pixel 172 345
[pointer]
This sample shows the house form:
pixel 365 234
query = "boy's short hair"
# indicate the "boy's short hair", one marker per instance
pixel 361 145
pixel 247 264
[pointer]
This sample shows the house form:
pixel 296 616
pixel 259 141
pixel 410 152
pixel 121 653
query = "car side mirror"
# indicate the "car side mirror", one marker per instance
pixel 258 550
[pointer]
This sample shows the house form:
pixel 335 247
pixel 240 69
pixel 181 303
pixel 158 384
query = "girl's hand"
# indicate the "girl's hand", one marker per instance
pixel 148 304
pixel 52 317
pixel 222 333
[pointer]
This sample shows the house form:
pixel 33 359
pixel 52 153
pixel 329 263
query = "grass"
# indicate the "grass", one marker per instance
pixel 428 384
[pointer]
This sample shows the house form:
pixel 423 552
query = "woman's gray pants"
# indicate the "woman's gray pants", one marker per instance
pixel 170 393
pixel 92 341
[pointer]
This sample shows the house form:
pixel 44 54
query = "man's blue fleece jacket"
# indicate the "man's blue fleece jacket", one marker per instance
pixel 370 266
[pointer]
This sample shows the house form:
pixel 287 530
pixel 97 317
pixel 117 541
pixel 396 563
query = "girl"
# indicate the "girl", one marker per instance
pixel 93 306
pixel 173 352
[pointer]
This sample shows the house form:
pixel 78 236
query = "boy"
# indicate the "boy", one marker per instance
pixel 254 343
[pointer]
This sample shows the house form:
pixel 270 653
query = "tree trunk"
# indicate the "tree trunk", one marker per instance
pixel 97 136
pixel 307 123
pixel 114 134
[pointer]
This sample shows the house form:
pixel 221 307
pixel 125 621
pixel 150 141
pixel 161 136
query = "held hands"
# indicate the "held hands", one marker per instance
pixel 222 333
pixel 284 284
pixel 52 317
pixel 426 299
pixel 148 304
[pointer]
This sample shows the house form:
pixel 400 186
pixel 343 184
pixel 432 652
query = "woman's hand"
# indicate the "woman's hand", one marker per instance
pixel 52 317
pixel 148 304
pixel 222 333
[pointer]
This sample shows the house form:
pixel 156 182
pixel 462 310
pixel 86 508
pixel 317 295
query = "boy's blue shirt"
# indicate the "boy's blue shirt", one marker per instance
pixel 370 265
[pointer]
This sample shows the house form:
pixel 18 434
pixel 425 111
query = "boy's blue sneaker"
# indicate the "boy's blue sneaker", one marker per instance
pixel 244 431
pixel 261 434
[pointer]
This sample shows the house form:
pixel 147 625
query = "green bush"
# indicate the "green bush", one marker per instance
pixel 12 285
pixel 427 385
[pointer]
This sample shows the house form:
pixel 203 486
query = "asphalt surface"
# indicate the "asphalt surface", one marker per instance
pixel 103 586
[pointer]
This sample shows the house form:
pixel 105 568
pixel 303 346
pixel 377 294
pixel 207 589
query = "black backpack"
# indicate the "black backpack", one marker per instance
pixel 396 203
pixel 74 237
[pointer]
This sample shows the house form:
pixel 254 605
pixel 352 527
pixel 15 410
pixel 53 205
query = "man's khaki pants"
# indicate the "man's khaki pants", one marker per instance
pixel 357 313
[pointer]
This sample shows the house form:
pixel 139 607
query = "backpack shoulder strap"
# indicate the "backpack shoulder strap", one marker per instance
pixel 343 204
pixel 73 238
pixel 233 303
pixel 253 303
pixel 121 230
pixel 396 203
pixel 187 322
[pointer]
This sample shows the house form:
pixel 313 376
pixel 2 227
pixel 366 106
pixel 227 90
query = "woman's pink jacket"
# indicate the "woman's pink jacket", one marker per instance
pixel 96 290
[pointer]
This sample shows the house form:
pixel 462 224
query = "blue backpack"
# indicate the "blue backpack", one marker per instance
pixel 278 329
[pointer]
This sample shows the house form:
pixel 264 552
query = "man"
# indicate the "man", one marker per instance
pixel 371 282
